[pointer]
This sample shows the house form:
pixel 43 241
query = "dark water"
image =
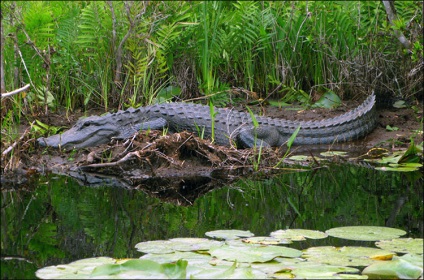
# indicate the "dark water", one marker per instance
pixel 59 221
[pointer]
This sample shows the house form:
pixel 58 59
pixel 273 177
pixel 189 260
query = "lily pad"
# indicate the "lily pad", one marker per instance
pixel 302 269
pixel 414 259
pixel 346 256
pixel 141 269
pixel 266 240
pixel 80 269
pixel 155 247
pixel 322 271
pixel 229 234
pixel 394 269
pixel 194 244
pixel 176 244
pixel 300 158
pixel 191 257
pixel 229 272
pixel 402 245
pixel 298 234
pixel 365 233
pixel 253 254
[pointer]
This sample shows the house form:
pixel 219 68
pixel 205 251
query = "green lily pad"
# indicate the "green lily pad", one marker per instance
pixel 394 269
pixel 155 247
pixel 346 256
pixel 141 269
pixel 365 233
pixel 229 234
pixel 301 269
pixel 176 244
pixel 80 269
pixel 266 240
pixel 402 245
pixel 191 257
pixel 194 244
pixel 414 259
pixel 298 234
pixel 229 272
pixel 322 271
pixel 253 253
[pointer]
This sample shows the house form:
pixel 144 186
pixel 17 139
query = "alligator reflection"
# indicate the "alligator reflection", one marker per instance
pixel 60 221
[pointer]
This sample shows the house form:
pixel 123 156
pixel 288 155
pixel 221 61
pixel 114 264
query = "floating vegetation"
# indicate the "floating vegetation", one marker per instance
pixel 245 257
pixel 365 233
pixel 229 234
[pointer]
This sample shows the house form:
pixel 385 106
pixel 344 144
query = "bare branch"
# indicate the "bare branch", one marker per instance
pixel 391 15
pixel 16 91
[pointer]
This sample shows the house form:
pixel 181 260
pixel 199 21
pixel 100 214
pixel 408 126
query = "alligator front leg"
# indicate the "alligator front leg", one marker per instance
pixel 153 124
pixel 256 137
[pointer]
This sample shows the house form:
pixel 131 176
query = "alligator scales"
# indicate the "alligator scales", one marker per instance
pixel 231 126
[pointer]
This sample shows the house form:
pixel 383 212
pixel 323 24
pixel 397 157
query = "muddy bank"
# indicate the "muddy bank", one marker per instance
pixel 181 167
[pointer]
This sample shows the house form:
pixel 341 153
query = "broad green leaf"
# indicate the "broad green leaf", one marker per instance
pixel 252 253
pixel 400 168
pixel 414 259
pixel 391 128
pixel 193 244
pixel 400 104
pixel 328 100
pixel 316 271
pixel 301 269
pixel 229 272
pixel 216 272
pixel 266 240
pixel 365 233
pixel 80 269
pixel 298 234
pixel 155 246
pixel 394 269
pixel 190 257
pixel 229 234
pixel 142 269
pixel 402 245
pixel 346 256
pixel 412 154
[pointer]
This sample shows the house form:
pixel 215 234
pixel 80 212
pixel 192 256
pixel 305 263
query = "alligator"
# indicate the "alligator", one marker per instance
pixel 231 127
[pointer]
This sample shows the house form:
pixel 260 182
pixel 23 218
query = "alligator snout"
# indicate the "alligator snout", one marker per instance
pixel 52 141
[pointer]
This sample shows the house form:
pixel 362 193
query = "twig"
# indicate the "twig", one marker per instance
pixel 5 152
pixel 16 91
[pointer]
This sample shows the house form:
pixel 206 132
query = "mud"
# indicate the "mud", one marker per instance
pixel 181 167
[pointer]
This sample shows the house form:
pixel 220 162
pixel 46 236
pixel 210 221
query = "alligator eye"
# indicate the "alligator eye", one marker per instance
pixel 88 123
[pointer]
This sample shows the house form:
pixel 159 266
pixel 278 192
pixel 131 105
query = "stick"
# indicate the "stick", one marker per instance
pixel 15 91
pixel 5 152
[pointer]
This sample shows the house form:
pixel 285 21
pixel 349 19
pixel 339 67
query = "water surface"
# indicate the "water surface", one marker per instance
pixel 59 221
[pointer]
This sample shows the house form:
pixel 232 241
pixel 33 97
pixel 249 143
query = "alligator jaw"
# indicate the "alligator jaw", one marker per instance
pixel 62 141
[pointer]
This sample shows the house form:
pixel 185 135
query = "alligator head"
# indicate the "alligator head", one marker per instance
pixel 87 132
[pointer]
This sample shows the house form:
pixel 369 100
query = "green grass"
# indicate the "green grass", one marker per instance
pixel 284 48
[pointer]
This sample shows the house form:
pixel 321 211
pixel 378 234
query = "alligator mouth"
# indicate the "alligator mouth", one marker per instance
pixel 68 140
